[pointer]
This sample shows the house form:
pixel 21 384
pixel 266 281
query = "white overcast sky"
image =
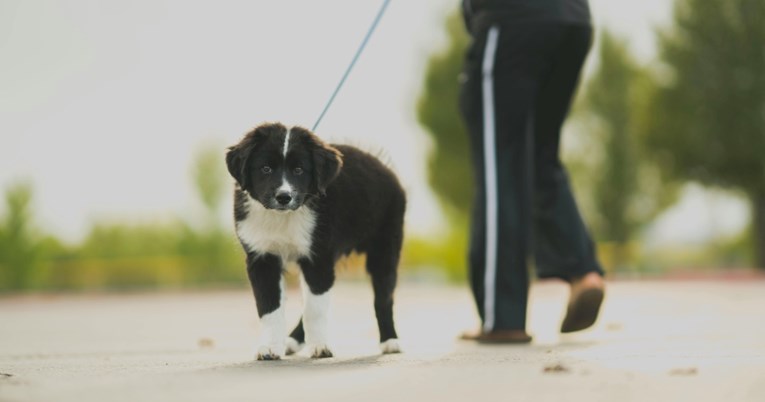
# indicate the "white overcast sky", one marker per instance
pixel 103 103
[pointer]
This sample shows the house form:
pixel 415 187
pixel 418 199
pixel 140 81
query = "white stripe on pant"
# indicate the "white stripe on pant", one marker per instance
pixel 490 170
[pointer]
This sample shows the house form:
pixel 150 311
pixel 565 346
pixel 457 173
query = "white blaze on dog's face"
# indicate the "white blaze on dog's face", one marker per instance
pixel 280 177
pixel 280 167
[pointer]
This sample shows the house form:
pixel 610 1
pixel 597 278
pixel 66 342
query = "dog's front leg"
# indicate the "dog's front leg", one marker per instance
pixel 265 273
pixel 318 278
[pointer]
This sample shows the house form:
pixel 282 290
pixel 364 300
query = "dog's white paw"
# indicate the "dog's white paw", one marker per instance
pixel 320 351
pixel 293 346
pixel 270 352
pixel 390 346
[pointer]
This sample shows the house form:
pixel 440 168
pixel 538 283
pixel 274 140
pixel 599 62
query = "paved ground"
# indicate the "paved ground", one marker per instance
pixel 656 341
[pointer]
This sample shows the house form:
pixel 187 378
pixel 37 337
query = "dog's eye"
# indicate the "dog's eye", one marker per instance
pixel 298 171
pixel 266 169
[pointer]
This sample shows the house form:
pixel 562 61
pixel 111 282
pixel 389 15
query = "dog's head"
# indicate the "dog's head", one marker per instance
pixel 282 167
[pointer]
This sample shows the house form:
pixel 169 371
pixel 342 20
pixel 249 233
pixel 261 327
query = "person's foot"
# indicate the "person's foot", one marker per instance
pixel 507 336
pixel 584 303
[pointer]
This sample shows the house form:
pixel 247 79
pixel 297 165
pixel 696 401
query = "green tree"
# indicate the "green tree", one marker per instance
pixel 707 118
pixel 626 191
pixel 209 176
pixel 449 170
pixel 214 249
pixel 21 251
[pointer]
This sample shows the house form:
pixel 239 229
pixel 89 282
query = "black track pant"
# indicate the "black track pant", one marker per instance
pixel 517 88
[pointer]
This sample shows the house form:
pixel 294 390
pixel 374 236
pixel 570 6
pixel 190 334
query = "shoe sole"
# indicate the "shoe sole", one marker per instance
pixel 583 311
pixel 488 339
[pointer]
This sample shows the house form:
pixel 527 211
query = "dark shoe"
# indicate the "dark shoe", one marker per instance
pixel 583 309
pixel 507 336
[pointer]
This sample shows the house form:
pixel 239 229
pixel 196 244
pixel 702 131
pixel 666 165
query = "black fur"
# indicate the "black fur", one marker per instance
pixel 358 203
pixel 264 272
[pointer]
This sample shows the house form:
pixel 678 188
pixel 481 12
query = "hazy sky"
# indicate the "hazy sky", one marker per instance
pixel 103 103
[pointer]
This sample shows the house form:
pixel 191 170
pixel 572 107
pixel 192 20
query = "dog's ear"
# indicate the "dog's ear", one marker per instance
pixel 236 160
pixel 237 155
pixel 327 162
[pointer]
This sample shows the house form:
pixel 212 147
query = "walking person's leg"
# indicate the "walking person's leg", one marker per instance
pixel 507 101
pixel 474 108
pixel 497 101
pixel 562 245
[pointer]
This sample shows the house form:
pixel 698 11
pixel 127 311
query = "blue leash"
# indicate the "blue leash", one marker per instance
pixel 353 62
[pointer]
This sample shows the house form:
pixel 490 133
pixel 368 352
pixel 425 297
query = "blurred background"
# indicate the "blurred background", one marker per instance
pixel 115 117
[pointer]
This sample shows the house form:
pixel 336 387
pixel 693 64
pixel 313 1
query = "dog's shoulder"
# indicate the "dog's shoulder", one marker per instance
pixel 357 161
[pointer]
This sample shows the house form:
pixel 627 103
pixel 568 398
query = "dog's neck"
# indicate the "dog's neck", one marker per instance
pixel 288 234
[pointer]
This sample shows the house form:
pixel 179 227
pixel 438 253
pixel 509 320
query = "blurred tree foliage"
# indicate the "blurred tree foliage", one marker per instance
pixel 449 168
pixel 120 255
pixel 21 246
pixel 125 255
pixel 210 176
pixel 216 245
pixel 626 190
pixel 708 114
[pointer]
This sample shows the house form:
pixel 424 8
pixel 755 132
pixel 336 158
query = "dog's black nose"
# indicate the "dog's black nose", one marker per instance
pixel 283 198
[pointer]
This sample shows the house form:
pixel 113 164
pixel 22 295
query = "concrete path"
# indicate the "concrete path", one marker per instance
pixel 655 341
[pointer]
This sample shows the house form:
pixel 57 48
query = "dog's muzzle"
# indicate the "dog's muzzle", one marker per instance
pixel 284 201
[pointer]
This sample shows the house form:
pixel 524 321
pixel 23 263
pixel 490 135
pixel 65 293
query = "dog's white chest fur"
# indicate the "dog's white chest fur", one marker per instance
pixel 287 234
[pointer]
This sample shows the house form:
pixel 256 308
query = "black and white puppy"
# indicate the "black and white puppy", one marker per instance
pixel 301 200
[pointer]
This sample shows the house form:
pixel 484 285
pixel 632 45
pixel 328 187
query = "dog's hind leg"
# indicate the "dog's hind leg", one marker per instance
pixel 382 264
pixel 383 273
pixel 296 340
